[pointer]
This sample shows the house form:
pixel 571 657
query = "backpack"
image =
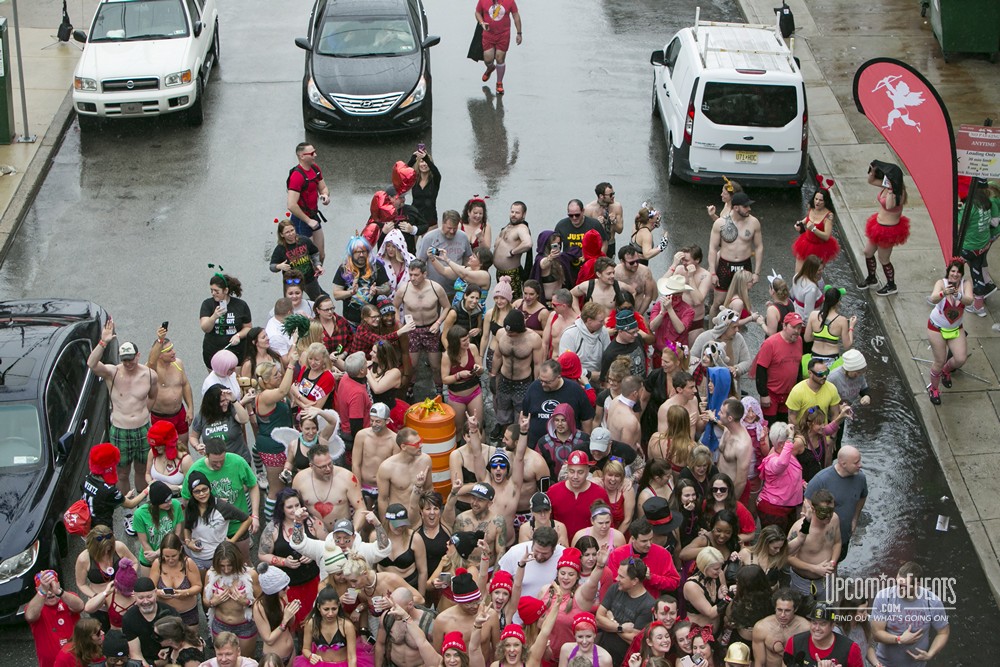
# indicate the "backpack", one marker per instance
pixel 305 178
pixel 77 518
pixel 786 20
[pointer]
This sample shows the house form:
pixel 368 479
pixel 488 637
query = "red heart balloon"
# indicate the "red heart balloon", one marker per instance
pixel 403 177
pixel 381 208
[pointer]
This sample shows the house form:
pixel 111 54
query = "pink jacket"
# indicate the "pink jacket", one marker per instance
pixel 782 474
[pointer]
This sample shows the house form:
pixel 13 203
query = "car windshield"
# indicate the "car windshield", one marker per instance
pixel 749 105
pixel 20 436
pixel 139 19
pixel 358 37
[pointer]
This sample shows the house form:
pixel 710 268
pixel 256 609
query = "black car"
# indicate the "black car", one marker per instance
pixel 368 67
pixel 52 410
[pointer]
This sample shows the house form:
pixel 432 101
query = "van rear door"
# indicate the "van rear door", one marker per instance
pixel 746 127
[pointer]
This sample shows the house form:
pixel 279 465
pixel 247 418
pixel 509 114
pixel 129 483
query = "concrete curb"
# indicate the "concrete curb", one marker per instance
pixel 852 222
pixel 35 174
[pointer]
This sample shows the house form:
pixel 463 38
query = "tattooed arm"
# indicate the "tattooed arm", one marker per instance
pixel 266 550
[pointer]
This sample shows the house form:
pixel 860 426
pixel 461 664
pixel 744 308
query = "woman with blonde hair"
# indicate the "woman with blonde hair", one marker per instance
pixel 621 497
pixel 646 220
pixel 770 553
pixel 98 563
pixel 705 589
pixel 273 410
pixel 779 305
pixel 315 383
pixel 737 299
pixel 676 445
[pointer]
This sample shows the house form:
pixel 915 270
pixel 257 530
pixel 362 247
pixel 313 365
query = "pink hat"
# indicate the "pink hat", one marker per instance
pixel 504 289
pixel 224 362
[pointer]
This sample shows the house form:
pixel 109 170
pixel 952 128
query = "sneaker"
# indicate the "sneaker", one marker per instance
pixel 870 281
pixel 887 289
pixel 262 480
pixel 128 525
pixel 981 311
pixel 488 73
pixel 499 89
pixel 946 379
pixel 934 394
pixel 990 288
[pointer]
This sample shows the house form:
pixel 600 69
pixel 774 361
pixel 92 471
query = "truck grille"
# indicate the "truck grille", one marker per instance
pixel 366 105
pixel 121 85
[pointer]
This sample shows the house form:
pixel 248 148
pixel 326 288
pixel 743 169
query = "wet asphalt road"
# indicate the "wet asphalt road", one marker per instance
pixel 130 217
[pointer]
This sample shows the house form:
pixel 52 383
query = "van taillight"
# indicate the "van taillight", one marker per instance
pixel 689 123
pixel 805 130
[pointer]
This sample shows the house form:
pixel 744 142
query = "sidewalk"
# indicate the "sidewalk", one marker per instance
pixel 48 79
pixel 964 429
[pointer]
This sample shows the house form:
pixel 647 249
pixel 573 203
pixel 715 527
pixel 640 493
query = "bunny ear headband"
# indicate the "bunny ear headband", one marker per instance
pixel 824 182
pixel 774 276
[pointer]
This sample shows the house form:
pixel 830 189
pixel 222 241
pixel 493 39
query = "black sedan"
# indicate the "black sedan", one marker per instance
pixel 367 67
pixel 53 409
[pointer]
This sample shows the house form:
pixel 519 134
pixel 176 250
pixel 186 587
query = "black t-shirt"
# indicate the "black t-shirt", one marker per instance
pixel 344 279
pixel 618 449
pixel 102 498
pixel 236 317
pixel 656 386
pixel 635 351
pixel 625 609
pixel 298 256
pixel 134 624
pixel 539 404
pixel 572 237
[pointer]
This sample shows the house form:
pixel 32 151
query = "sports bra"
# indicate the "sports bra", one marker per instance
pixel 299 460
pixel 116 611
pixel 403 561
pixel 577 648
pixel 174 479
pixel 337 642
pixel 473 381
pixel 824 333
pixel 533 320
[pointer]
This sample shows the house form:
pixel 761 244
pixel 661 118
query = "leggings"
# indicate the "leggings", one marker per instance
pixel 977 262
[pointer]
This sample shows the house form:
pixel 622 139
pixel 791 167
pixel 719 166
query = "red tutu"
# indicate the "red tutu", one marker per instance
pixel 887 236
pixel 810 244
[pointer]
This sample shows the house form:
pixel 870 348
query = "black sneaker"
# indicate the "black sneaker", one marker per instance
pixel 946 379
pixel 990 288
pixel 934 394
pixel 887 289
pixel 870 281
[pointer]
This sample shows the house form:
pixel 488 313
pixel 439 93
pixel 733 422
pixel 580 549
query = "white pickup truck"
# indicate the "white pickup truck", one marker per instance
pixel 146 58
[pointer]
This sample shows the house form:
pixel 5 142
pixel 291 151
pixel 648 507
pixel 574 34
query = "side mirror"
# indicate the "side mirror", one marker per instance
pixel 198 27
pixel 80 36
pixel 65 444
pixel 656 58
pixel 432 40
pixel 303 43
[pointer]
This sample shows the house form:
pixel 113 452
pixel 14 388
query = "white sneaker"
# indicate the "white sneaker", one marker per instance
pixel 262 481
pixel 128 525
pixel 981 311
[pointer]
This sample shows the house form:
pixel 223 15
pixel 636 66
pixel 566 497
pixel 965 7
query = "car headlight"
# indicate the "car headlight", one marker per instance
pixel 177 79
pixel 17 565
pixel 417 95
pixel 317 97
pixel 82 83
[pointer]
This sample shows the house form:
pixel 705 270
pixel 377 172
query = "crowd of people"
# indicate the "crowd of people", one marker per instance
pixel 655 489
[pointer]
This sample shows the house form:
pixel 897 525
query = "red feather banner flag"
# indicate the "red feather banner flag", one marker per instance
pixel 913 119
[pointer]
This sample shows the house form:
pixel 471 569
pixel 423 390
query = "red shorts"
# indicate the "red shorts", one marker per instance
pixel 496 39
pixel 178 419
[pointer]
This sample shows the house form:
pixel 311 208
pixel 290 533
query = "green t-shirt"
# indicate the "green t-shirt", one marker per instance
pixel 229 483
pixel 142 522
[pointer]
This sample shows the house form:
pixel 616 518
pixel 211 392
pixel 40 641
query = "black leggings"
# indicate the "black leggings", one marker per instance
pixel 977 262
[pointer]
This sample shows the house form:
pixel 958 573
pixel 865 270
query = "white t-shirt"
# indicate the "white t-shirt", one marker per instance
pixel 229 382
pixel 277 339
pixel 536 575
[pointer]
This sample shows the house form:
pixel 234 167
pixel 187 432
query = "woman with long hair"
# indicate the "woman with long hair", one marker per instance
pixel 853 623
pixel 475 224
pixel 657 481
pixel 178 582
pixel 553 267
pixel 406 558
pixel 807 287
pixel 646 220
pixel 676 445
pixel 658 386
pixel 829 332
pixel 705 590
pixel 583 646
pixel 737 299
pixel 84 647
pixel 272 409
pixel 427 186
pixel 299 254
pixel 778 306
pixel 168 460
pixel 571 596
pixel 297 452
pixel 274 614
pixel 684 501
pixel 457 557
pixel 729 188
pixel 231 586
pixel 887 227
pixel 224 416
pixel 814 435
pixel 118 596
pixel 461 368
pixel 275 549
pixel 370 331
pixel 385 373
pixel 326 635
pixel 601 526
pixel 225 318
pixel 621 497
pixel 944 327
pixel 656 643
pixel 518 648
pixel 588 547
pixel 97 565
pixel 395 257
pixel 335 331
pixel 476 270
pixel 703 646
pixel 206 521
pixel 176 636
pixel 258 351
pixel 751 601
pixel 154 520
pixel 432 536
pixel 816 229
pixel 292 290
pixel 724 498
pixel 979 236
pixel 721 536
pixel 315 382
pixel 770 553
pixel 536 315
pixel 467 314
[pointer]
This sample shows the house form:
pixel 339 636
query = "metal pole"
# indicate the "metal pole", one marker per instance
pixel 26 137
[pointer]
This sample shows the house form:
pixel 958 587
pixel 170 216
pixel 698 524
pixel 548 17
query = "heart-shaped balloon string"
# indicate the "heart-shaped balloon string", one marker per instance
pixel 403 177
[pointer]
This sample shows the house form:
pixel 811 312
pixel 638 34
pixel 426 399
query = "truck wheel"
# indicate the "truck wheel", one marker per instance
pixel 196 114
pixel 671 163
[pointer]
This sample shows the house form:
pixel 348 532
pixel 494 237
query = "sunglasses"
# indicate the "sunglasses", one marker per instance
pixel 719 489
pixel 820 374
pixel 631 262
pixel 104 538
pixel 573 215
pixel 293 281
pixel 310 153
pixel 824 512
pixel 501 466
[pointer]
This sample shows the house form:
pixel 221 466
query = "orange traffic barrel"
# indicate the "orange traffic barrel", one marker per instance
pixel 434 420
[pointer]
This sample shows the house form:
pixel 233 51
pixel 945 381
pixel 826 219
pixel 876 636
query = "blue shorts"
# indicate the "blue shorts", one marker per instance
pixel 302 227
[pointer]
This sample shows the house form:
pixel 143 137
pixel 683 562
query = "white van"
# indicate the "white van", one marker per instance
pixel 732 102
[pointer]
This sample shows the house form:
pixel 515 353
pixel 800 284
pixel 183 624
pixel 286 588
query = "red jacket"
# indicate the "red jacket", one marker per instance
pixel 663 577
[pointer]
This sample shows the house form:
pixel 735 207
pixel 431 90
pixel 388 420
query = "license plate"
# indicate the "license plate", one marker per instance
pixel 746 156
pixel 136 107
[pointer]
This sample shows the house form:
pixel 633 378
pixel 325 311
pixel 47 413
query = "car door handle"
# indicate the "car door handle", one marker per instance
pixel 83 429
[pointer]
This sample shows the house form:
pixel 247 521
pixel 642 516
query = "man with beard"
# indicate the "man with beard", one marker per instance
pixel 482 518
pixel 777 367
pixel 511 244
pixel 771 633
pixel 631 272
pixel 572 228
pixel 393 640
pixel 174 401
pixel 137 623
pixel 359 281
pixel 329 492
pixel 736 243
pixel 562 436
pixel 517 359
pixel 548 391
pixel 608 212
pixel 373 445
